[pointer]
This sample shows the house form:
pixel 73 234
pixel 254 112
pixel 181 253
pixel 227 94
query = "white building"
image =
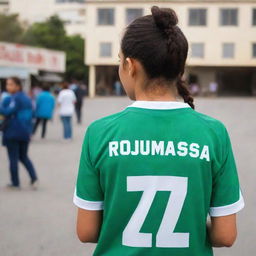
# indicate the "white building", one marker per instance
pixel 222 37
pixel 4 6
pixel 72 12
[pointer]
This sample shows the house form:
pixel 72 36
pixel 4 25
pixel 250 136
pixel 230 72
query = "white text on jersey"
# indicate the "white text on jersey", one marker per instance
pixel 162 148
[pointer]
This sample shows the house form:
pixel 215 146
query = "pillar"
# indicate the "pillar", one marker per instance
pixel 92 81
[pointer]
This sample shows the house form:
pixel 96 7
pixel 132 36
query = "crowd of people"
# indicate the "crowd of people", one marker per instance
pixel 210 91
pixel 20 117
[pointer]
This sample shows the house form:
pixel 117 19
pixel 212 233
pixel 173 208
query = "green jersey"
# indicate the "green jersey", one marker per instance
pixel 157 169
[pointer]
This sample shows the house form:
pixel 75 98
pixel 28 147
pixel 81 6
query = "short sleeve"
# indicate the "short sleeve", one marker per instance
pixel 226 194
pixel 88 193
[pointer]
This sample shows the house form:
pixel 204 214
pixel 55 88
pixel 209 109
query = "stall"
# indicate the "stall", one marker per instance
pixel 24 61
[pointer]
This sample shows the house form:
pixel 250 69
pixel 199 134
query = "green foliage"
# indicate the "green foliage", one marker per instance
pixel 11 30
pixel 50 34
pixel 75 58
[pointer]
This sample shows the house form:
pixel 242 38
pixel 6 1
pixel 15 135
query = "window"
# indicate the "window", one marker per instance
pixel 228 50
pixel 197 17
pixel 106 16
pixel 229 17
pixel 105 49
pixel 197 50
pixel 254 50
pixel 132 14
pixel 254 17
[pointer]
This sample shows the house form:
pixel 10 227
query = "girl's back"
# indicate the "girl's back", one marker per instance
pixel 150 174
pixel 154 165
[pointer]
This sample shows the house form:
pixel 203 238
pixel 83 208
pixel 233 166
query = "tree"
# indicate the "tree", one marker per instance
pixel 11 30
pixel 51 34
pixel 75 58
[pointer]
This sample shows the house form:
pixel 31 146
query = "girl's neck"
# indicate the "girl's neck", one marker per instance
pixel 157 94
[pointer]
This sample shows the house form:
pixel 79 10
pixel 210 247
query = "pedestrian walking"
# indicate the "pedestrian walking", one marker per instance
pixel 45 103
pixel 213 88
pixel 4 100
pixel 80 94
pixel 118 88
pixel 66 100
pixel 17 131
pixel 150 175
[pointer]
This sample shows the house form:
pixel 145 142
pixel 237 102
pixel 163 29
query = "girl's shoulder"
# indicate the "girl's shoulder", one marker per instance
pixel 106 121
pixel 209 122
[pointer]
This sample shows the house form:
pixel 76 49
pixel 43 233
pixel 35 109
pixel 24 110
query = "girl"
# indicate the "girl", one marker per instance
pixel 150 175
pixel 17 131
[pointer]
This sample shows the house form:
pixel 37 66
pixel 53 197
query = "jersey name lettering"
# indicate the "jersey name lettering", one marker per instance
pixel 162 148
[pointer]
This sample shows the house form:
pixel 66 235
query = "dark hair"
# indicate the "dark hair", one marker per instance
pixel 46 87
pixel 160 46
pixel 17 81
pixel 65 85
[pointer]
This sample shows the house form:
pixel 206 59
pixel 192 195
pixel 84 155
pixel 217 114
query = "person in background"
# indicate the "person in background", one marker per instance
pixel 66 101
pixel 195 89
pixel 44 109
pixel 4 94
pixel 73 85
pixel 80 94
pixel 213 88
pixel 16 134
pixel 118 88
pixel 34 93
pixel 4 101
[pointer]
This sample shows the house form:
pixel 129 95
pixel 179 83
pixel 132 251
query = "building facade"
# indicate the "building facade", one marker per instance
pixel 72 12
pixel 4 6
pixel 221 35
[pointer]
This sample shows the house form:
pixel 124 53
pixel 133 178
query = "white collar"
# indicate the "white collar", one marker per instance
pixel 159 104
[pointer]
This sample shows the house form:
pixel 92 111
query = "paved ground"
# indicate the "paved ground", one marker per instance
pixel 35 223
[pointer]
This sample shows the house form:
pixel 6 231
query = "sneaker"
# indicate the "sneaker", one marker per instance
pixel 12 187
pixel 34 184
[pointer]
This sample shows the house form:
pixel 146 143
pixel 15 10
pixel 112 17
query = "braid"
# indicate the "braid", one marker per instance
pixel 173 37
pixel 174 51
pixel 184 92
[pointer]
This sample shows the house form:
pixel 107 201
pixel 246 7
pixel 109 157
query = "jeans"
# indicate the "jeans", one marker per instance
pixel 67 126
pixel 44 124
pixel 78 108
pixel 18 150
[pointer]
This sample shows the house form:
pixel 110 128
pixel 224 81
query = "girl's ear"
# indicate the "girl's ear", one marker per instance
pixel 130 66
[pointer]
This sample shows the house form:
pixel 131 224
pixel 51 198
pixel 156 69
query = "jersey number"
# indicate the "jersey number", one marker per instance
pixel 165 236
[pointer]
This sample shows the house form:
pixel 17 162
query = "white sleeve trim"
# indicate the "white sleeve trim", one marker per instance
pixel 228 209
pixel 87 205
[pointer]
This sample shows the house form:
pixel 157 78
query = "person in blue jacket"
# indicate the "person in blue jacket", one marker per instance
pixel 45 103
pixel 17 132
pixel 4 101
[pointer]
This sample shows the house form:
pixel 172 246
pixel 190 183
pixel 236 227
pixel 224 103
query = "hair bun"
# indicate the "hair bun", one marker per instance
pixel 164 18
